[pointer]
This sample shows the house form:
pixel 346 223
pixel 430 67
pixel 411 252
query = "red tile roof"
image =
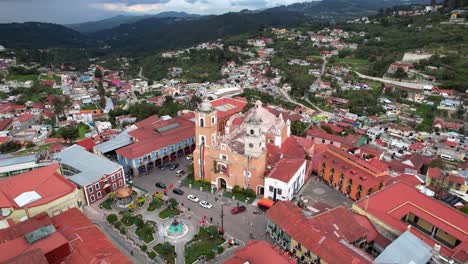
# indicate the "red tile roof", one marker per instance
pixel 317 132
pixel 231 106
pixel 259 252
pixel 24 117
pixel 89 244
pixel 391 204
pixel 5 123
pixel 33 256
pixel 148 139
pixel 87 143
pixel 46 181
pixel 319 234
pixel 80 241
pixel 409 179
pixel 285 169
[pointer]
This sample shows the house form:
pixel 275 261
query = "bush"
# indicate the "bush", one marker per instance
pixel 123 230
pixel 237 189
pixel 111 218
pixel 250 193
pixel 151 254
pixel 220 250
pixel 143 247
pixel 117 224
pixel 210 255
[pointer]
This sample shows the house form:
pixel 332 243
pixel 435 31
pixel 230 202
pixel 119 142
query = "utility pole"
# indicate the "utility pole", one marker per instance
pixel 222 218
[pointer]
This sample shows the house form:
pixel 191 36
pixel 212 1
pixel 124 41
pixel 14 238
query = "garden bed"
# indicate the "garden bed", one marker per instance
pixel 204 243
pixel 239 197
pixel 146 237
pixel 168 212
pixel 166 251
pixel 107 204
pixel 155 204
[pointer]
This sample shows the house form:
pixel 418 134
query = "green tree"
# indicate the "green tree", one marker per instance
pixel 172 203
pixel 70 133
pixel 10 146
pixel 400 74
pixel 111 218
pixel 298 128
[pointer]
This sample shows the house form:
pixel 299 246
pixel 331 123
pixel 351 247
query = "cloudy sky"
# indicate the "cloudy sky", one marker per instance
pixel 73 11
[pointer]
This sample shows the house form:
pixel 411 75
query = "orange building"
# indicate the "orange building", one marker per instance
pixel 237 155
pixel 352 175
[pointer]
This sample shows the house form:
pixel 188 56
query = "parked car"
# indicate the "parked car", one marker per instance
pixel 193 198
pixel 180 173
pixel 165 166
pixel 174 166
pixel 238 209
pixel 178 191
pixel 189 157
pixel 161 185
pixel 206 204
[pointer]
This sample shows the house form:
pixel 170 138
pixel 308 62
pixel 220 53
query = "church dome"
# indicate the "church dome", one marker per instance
pixel 205 106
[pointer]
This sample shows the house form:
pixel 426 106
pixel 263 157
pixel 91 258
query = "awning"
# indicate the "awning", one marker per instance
pixel 266 202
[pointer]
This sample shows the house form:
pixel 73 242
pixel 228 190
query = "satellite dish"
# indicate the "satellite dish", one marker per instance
pixel 5 212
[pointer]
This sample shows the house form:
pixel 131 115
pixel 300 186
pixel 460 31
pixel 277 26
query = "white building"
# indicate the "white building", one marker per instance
pixel 285 180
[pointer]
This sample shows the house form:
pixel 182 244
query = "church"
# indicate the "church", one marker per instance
pixel 239 155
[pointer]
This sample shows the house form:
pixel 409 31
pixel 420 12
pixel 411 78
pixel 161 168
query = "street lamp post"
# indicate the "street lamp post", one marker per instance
pixel 222 218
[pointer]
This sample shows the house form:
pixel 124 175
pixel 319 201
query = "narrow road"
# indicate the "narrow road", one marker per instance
pixel 306 94
pixel 140 74
pixel 410 85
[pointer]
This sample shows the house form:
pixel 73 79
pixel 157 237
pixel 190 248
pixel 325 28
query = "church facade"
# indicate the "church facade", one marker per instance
pixel 237 155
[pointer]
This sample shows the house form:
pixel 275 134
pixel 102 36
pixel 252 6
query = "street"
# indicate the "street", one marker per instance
pixel 238 226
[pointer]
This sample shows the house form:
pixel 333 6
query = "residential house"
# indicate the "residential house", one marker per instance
pixel 259 252
pixel 95 175
pixel 31 193
pixel 335 236
pixel 438 225
pixel 69 238
pixel 350 174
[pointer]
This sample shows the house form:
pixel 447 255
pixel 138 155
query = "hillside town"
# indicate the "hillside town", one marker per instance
pixel 105 166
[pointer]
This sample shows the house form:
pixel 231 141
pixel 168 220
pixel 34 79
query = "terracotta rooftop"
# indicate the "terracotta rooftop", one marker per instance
pixel 79 240
pixel 259 252
pixel 285 169
pixel 320 234
pixel 45 181
pixel 391 204
pixel 154 133
pixel 227 107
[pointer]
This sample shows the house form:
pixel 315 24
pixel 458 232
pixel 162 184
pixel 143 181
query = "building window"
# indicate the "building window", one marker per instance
pixel 96 186
pixel 99 194
pixel 113 177
pixel 271 188
pixel 223 157
pixel 114 186
pixel 279 191
pixel 120 183
pixel 92 198
pixel 202 122
pixel 90 189
pixel 212 120
pixel 119 175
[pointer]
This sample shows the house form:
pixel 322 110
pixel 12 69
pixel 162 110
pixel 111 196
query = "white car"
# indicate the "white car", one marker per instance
pixel 206 204
pixel 193 198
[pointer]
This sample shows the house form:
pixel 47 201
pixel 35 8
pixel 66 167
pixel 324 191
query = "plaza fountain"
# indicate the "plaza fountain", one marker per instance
pixel 176 229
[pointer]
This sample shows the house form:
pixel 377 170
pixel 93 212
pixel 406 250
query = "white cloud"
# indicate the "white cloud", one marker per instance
pixel 189 6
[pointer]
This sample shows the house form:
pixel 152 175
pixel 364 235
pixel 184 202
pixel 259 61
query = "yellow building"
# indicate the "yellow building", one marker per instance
pixel 31 193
